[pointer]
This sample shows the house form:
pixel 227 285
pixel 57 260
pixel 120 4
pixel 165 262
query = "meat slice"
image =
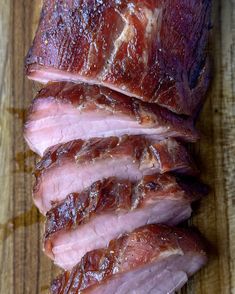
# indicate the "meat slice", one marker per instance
pixel 74 166
pixel 151 260
pixel 153 50
pixel 109 208
pixel 64 112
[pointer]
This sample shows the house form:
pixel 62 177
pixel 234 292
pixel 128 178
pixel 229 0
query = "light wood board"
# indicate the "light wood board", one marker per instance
pixel 23 267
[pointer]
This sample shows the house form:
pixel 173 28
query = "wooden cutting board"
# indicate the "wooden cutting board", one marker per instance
pixel 23 267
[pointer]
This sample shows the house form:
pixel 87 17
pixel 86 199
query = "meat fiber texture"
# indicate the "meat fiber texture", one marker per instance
pixel 154 50
pixel 74 166
pixel 153 259
pixel 109 208
pixel 63 112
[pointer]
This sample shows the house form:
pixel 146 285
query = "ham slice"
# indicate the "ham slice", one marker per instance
pixel 109 208
pixel 153 50
pixel 151 260
pixel 74 166
pixel 63 112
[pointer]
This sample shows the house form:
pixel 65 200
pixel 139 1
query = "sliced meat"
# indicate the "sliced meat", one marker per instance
pixel 153 50
pixel 109 208
pixel 63 112
pixel 74 166
pixel 151 260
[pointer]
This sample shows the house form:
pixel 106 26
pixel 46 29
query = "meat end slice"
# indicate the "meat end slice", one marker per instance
pixel 153 50
pixel 63 112
pixel 109 208
pixel 74 166
pixel 153 259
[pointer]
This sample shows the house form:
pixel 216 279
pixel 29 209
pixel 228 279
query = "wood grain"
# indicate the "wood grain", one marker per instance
pixel 23 267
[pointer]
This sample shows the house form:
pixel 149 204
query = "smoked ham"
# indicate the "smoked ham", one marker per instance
pixel 109 208
pixel 154 50
pixel 74 166
pixel 125 83
pixel 151 260
pixel 64 112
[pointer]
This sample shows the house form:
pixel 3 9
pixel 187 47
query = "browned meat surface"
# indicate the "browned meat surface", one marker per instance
pixel 64 112
pixel 74 166
pixel 153 50
pixel 109 208
pixel 151 260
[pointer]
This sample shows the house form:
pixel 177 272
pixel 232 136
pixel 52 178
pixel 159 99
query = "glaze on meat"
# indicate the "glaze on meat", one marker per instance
pixel 154 50
pixel 151 260
pixel 109 208
pixel 126 80
pixel 74 166
pixel 64 112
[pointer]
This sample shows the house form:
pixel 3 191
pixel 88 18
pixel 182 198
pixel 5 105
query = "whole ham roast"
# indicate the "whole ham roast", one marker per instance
pixel 124 83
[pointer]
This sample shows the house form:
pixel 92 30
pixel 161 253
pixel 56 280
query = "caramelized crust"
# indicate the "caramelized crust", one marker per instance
pixel 113 195
pixel 62 112
pixel 87 98
pixel 113 203
pixel 153 50
pixel 131 251
pixel 74 166
pixel 168 155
